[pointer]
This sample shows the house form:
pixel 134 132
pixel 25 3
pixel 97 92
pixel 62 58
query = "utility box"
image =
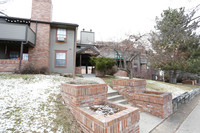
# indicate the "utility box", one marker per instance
pixel 87 37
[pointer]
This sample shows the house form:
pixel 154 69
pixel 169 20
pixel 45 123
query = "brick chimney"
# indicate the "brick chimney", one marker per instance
pixel 41 11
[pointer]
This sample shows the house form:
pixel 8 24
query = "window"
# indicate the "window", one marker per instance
pixel 61 34
pixel 25 56
pixel 60 59
pixel 135 67
pixel 14 55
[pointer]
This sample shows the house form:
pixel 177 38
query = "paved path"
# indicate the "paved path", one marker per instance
pixel 192 122
pixel 92 77
pixel 185 120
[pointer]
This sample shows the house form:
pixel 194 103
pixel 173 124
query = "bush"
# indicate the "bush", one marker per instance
pixel 102 64
pixel 44 70
pixel 30 69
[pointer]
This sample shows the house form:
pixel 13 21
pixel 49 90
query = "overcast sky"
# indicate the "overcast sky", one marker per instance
pixel 109 19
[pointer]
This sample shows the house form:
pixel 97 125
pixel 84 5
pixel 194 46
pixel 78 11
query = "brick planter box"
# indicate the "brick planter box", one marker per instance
pixel 127 87
pixel 155 103
pixel 83 95
pixel 79 97
pixel 134 90
pixel 191 82
pixel 125 121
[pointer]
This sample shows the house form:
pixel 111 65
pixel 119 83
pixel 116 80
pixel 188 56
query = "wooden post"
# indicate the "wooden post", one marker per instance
pixel 80 60
pixel 21 56
pixel 75 45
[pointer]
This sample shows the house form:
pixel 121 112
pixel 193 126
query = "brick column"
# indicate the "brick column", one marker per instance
pixel 41 11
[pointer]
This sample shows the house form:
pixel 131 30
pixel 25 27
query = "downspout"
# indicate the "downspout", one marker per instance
pixel 36 26
pixel 75 45
pixel 21 56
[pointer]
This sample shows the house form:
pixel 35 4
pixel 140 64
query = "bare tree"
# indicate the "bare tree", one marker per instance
pixel 3 2
pixel 126 51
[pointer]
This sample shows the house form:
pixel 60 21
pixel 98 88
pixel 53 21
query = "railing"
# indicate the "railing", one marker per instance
pixel 17 32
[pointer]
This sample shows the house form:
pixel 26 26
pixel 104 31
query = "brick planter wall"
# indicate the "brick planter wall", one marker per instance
pixel 134 90
pixel 127 87
pixel 10 65
pixel 155 103
pixel 83 95
pixel 78 70
pixel 191 82
pixel 79 97
pixel 125 121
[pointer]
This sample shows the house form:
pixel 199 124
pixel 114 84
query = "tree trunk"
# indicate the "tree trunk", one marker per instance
pixel 170 76
pixel 125 67
pixel 131 70
pixel 131 74
pixel 174 77
pixel 120 62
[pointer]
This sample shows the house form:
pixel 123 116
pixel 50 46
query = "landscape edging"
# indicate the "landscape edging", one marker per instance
pixel 184 98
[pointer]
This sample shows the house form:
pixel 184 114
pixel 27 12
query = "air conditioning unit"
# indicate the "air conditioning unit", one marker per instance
pixel 61 38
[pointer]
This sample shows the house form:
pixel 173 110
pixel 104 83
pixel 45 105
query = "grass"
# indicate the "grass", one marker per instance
pixel 108 80
pixel 64 118
pixel 33 113
pixel 156 85
pixel 17 76
pixel 162 86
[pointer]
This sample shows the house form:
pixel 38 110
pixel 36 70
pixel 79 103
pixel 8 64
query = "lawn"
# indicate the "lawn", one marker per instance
pixel 32 103
pixel 175 89
pixel 108 80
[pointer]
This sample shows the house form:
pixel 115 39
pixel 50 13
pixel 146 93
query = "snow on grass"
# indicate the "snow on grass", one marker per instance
pixel 31 103
pixel 175 89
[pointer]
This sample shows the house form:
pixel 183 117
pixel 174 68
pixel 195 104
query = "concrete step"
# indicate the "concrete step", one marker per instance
pixel 112 94
pixel 122 101
pixel 115 98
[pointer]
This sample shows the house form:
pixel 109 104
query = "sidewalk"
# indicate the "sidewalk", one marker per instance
pixel 185 120
pixel 192 122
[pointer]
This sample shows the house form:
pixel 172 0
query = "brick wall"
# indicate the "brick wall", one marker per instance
pixel 39 55
pixel 127 87
pixel 156 103
pixel 79 97
pixel 191 82
pixel 121 73
pixel 78 70
pixel 134 90
pixel 10 65
pixel 125 121
pixel 84 95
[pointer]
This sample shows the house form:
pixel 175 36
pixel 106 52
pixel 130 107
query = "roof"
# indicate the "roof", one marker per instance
pixel 28 21
pixel 93 48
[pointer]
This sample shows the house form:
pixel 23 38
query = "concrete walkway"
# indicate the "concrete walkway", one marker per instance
pixel 92 77
pixel 192 122
pixel 185 120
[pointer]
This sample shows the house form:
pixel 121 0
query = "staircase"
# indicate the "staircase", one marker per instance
pixel 115 97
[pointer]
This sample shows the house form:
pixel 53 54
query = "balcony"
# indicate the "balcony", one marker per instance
pixel 17 33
